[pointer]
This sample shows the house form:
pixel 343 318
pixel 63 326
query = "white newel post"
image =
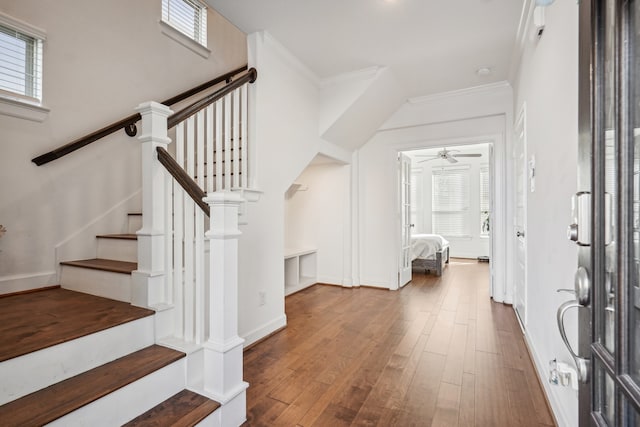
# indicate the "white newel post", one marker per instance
pixel 148 280
pixel 223 349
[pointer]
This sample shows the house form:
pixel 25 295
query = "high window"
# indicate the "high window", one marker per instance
pixel 20 61
pixel 450 201
pixel 187 16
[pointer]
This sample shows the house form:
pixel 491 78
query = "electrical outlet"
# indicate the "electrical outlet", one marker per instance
pixel 262 297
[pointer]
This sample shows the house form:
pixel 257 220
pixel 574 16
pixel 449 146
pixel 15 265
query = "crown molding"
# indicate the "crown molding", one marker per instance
pixel 459 92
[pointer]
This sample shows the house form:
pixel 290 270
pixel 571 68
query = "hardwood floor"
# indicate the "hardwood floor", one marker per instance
pixel 438 352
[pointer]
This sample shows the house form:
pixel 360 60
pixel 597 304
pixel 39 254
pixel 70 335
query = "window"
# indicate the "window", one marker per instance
pixel 20 62
pixel 187 16
pixel 485 207
pixel 450 201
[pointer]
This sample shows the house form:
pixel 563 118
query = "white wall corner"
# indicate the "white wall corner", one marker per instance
pixel 265 38
pixel 378 100
pixel 521 39
pixel 264 330
pixel 329 149
pixel 340 92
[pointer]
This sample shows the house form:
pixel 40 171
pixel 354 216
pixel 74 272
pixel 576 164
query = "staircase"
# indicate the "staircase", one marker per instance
pixel 145 333
pixel 81 359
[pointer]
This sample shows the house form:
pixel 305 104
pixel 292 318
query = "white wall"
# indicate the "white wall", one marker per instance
pixel 101 59
pixel 285 107
pixel 318 217
pixel 547 81
pixel 477 115
pixel 470 246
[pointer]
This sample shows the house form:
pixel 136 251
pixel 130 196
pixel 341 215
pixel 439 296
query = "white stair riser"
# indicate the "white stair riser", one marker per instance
pixel 118 249
pixel 130 401
pixel 97 282
pixel 213 420
pixel 31 372
pixel 134 223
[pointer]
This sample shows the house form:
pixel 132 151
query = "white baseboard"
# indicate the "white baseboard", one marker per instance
pixel 263 331
pixel 25 282
pixel 329 280
pixel 559 411
pixel 374 283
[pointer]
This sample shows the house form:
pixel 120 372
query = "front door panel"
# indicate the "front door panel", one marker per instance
pixel 609 171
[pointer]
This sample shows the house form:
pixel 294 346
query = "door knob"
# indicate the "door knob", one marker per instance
pixel 519 233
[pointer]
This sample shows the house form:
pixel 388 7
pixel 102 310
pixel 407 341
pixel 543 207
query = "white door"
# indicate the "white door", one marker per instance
pixel 520 197
pixel 404 190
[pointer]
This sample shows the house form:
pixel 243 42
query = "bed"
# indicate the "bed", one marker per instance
pixel 429 251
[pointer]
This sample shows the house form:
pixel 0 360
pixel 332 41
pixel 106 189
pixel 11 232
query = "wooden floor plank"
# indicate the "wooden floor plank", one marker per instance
pixel 429 354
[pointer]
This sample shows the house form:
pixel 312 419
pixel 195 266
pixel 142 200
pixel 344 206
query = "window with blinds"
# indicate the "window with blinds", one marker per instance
pixel 450 201
pixel 20 64
pixel 485 207
pixel 187 16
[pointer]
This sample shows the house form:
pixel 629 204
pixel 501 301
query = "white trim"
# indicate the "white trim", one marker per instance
pixel 28 281
pixel 491 87
pixel 264 330
pixel 14 106
pixel 183 39
pixel 22 27
pixel 558 410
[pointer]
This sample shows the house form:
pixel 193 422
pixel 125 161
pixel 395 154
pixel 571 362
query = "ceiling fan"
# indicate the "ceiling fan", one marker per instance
pixel 449 155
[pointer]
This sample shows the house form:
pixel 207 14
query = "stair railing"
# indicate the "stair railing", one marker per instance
pixel 129 123
pixel 188 266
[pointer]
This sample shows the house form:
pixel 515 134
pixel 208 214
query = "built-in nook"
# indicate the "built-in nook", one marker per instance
pixel 316 207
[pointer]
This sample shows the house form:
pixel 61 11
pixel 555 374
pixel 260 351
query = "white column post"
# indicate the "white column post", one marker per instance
pixel 148 279
pixel 223 349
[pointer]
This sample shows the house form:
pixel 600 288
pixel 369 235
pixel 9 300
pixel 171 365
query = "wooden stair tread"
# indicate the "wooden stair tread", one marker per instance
pixel 56 316
pixel 60 399
pixel 125 236
pixel 104 264
pixel 184 409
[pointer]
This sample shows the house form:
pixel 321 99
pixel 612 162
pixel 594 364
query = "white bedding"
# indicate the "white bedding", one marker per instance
pixel 425 246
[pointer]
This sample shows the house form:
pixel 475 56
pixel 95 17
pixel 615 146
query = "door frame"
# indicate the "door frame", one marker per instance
pixel 498 289
pixel 521 120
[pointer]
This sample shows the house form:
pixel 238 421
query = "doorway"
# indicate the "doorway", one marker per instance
pixel 450 195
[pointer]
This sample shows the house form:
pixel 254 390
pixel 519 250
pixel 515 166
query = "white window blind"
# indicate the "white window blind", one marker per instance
pixel 450 201
pixel 187 16
pixel 20 64
pixel 485 207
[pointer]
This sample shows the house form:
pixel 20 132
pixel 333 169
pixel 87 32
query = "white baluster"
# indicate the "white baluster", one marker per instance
pixel 236 140
pixel 227 142
pixel 244 142
pixel 219 156
pixel 210 149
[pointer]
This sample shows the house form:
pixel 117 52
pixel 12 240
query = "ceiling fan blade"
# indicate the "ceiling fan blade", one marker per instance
pixel 451 159
pixel 428 160
pixel 467 155
pixel 426 155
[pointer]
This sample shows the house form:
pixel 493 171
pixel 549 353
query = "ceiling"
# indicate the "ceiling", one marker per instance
pixel 431 46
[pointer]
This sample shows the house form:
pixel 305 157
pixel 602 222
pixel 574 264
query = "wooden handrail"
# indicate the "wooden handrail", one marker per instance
pixel 128 123
pixel 185 181
pixel 192 109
